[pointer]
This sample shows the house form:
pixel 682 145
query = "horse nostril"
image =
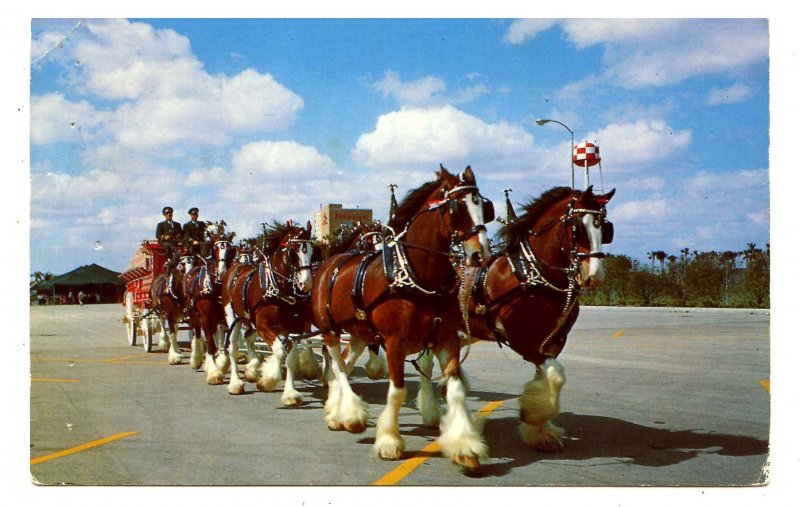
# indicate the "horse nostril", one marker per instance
pixel 476 257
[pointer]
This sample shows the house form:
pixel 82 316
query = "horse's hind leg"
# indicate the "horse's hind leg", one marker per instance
pixel 460 439
pixel 290 395
pixel 198 350
pixel 376 365
pixel 271 369
pixel 539 403
pixel 253 359
pixel 427 403
pixel 235 384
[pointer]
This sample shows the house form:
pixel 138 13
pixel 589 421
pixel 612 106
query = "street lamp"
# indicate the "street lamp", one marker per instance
pixel 543 121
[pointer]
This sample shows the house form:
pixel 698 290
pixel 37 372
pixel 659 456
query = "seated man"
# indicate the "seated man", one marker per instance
pixel 194 235
pixel 168 233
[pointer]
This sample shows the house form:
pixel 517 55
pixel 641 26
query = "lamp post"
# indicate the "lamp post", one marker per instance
pixel 543 121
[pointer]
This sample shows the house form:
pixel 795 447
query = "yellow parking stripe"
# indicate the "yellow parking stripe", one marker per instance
pixel 82 447
pixel 419 457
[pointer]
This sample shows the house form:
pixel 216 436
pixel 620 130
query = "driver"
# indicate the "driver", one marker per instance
pixel 168 233
pixel 194 235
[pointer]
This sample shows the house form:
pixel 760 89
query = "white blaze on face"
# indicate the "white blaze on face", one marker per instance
pixel 475 209
pixel 594 274
pixel 303 275
pixel 222 254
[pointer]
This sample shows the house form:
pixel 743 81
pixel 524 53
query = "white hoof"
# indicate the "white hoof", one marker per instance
pixel 292 399
pixel 174 358
pixel 389 447
pixel 236 386
pixel 542 437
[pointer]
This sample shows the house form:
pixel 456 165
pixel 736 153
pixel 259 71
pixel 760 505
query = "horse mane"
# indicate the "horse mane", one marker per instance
pixel 274 235
pixel 411 204
pixel 520 228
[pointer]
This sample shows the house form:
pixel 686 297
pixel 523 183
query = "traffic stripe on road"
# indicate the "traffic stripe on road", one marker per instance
pixel 82 447
pixel 764 384
pixel 419 457
pixel 94 361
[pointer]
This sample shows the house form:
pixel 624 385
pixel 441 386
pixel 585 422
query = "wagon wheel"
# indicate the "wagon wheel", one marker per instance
pixel 147 334
pixel 130 319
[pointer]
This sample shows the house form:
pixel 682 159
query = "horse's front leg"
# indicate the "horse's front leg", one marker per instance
pixel 170 328
pixel 389 443
pixel 461 437
pixel 345 410
pixel 270 371
pixel 235 385
pixel 539 404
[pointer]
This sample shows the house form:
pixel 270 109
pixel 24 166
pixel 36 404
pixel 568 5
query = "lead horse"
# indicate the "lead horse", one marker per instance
pixel 405 299
pixel 527 298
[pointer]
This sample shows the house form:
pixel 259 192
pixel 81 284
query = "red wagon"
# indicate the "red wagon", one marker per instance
pixel 146 264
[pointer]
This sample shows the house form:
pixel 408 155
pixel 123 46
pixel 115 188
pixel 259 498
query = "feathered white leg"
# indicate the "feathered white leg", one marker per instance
pixel 307 363
pixel 388 442
pixel 376 367
pixel 345 409
pixel 427 403
pixel 327 371
pixel 222 360
pixel 539 403
pixel 214 375
pixel 174 356
pixel 253 359
pixel 461 439
pixel 355 349
pixel 290 395
pixel 271 369
pixel 198 351
pixel 235 385
pixel 163 341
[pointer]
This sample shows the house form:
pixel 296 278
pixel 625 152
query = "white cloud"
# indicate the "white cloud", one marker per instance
pixel 425 137
pixel 635 147
pixel 657 52
pixel 280 159
pixel 415 92
pixel 162 94
pixel 732 94
pixel 523 29
pixel 55 119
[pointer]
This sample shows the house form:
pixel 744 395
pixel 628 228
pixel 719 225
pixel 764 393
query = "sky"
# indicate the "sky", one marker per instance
pixel 254 120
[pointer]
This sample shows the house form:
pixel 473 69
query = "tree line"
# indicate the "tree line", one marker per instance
pixel 687 279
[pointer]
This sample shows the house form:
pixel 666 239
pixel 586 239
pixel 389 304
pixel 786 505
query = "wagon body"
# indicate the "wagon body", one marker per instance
pixel 146 264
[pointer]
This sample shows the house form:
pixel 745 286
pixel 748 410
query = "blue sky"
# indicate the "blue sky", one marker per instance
pixel 259 119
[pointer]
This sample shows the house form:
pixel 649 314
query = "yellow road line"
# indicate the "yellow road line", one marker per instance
pixel 82 447
pixel 65 380
pixel 419 457
pixel 764 384
pixel 94 361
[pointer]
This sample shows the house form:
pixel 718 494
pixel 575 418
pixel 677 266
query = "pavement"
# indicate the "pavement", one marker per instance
pixel 654 397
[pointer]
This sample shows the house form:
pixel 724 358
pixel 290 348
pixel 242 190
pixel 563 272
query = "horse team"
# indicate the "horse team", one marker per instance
pixel 426 283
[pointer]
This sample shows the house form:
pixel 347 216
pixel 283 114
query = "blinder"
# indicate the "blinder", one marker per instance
pixel 607 231
pixel 488 210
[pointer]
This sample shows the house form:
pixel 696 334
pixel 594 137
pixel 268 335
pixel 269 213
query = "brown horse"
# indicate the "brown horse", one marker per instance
pixel 527 298
pixel 270 299
pixel 202 287
pixel 168 303
pixel 406 300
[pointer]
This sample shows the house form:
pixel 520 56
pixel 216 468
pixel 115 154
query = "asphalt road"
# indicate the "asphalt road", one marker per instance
pixel 657 397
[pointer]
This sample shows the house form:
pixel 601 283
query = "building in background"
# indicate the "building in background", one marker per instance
pixel 332 216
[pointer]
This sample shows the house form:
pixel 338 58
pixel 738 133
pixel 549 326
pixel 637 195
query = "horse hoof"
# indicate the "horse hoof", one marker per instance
pixel 335 425
pixel 355 427
pixel 292 401
pixel 236 390
pixel 470 465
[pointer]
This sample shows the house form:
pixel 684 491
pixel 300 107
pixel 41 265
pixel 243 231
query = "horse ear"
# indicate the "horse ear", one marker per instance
pixel 603 199
pixel 469 176
pixel 308 226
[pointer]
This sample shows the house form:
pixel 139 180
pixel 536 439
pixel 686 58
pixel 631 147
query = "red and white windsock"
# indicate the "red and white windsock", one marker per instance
pixel 586 155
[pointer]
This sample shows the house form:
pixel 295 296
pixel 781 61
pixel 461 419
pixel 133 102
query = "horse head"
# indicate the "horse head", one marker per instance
pixel 595 231
pixel 224 254
pixel 186 263
pixel 293 252
pixel 467 212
